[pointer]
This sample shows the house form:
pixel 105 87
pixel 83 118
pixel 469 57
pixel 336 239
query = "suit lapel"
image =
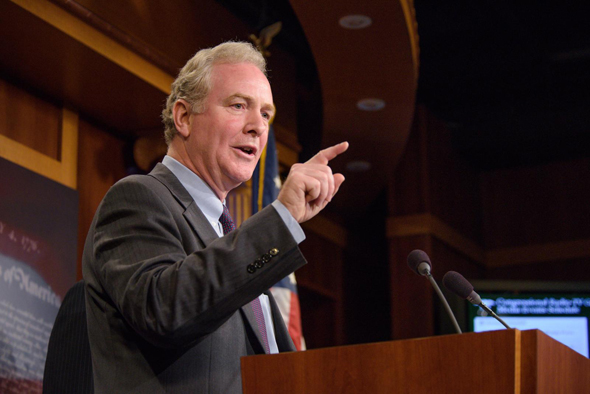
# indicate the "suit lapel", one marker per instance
pixel 193 215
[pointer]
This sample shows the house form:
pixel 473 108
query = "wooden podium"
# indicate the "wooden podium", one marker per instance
pixel 498 362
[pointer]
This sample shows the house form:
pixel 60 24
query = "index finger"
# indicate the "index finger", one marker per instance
pixel 325 155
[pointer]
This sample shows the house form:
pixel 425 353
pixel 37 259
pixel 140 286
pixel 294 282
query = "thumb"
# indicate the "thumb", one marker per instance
pixel 338 180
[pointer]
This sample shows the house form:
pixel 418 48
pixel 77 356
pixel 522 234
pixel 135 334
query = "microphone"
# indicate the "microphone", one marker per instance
pixel 456 283
pixel 419 262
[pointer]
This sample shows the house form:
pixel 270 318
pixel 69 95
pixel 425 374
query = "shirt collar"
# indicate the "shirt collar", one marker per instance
pixel 204 197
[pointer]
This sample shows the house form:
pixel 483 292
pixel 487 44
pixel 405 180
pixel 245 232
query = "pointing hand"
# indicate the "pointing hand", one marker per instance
pixel 310 186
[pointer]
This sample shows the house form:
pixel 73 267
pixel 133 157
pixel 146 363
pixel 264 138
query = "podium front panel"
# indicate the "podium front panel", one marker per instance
pixel 468 363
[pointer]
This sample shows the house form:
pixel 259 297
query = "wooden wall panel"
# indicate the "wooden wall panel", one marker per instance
pixel 409 189
pixel 29 120
pixel 323 273
pixel 411 295
pixel 366 279
pixel 572 270
pixel 537 205
pixel 430 178
pixel 446 258
pixel 98 77
pixel 38 135
pixel 319 320
pixel 454 185
pixel 320 292
pixel 100 165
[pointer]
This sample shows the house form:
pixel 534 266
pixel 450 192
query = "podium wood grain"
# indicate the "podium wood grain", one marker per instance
pixel 498 362
pixel 551 367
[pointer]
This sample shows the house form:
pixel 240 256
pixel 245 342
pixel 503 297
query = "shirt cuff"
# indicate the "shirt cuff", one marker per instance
pixel 290 222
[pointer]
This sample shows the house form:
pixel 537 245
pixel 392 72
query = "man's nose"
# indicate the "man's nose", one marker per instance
pixel 257 124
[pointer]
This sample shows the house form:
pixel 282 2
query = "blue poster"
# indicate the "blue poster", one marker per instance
pixel 38 241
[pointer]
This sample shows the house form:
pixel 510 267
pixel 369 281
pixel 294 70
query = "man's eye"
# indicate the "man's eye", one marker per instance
pixel 238 106
pixel 265 115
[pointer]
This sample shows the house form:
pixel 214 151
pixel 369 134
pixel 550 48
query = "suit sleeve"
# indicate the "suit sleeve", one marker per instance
pixel 168 295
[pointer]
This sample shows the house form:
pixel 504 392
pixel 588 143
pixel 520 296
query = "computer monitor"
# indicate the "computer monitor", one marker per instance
pixel 559 309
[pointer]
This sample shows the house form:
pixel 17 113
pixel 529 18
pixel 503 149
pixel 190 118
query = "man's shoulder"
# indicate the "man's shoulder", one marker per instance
pixel 160 184
pixel 135 181
pixel 136 189
pixel 157 177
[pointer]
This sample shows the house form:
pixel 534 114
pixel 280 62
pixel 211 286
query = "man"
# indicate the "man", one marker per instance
pixel 174 298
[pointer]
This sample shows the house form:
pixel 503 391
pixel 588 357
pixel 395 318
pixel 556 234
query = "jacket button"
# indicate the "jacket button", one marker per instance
pixel 251 268
pixel 258 263
pixel 273 252
pixel 265 258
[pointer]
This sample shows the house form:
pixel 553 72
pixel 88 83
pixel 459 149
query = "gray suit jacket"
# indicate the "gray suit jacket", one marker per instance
pixel 167 299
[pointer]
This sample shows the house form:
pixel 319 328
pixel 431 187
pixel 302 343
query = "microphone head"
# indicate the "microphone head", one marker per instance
pixel 416 258
pixel 456 283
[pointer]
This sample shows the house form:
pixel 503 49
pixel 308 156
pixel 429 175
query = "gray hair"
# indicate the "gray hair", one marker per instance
pixel 193 83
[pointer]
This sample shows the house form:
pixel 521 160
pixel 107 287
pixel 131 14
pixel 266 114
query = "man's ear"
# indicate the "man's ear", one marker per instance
pixel 181 112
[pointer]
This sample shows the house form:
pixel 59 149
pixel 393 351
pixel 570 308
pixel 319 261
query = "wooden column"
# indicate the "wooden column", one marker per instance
pixel 433 203
pixel 409 192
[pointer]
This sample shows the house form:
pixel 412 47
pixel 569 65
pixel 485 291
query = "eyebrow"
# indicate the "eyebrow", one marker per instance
pixel 249 99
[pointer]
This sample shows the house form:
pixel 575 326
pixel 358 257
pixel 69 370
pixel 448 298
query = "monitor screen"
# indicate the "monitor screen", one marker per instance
pixel 560 310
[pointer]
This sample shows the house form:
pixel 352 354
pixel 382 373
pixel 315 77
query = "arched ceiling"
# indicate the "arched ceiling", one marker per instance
pixel 379 61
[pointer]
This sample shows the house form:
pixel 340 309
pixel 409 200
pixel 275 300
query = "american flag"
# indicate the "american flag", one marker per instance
pixel 266 184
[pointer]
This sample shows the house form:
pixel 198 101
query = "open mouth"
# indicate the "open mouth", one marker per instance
pixel 247 150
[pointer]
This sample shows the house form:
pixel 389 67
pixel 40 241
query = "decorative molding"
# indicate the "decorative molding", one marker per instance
pixel 63 171
pixel 427 224
pixel 69 148
pixel 412 24
pixel 542 253
pixel 327 229
pixel 287 146
pixel 145 50
pixel 99 42
pixel 287 156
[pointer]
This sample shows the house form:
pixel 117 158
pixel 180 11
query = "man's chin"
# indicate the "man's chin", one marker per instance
pixel 239 179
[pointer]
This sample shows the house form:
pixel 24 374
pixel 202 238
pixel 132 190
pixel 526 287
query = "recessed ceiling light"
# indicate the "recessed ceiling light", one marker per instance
pixel 355 21
pixel 358 166
pixel 370 104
